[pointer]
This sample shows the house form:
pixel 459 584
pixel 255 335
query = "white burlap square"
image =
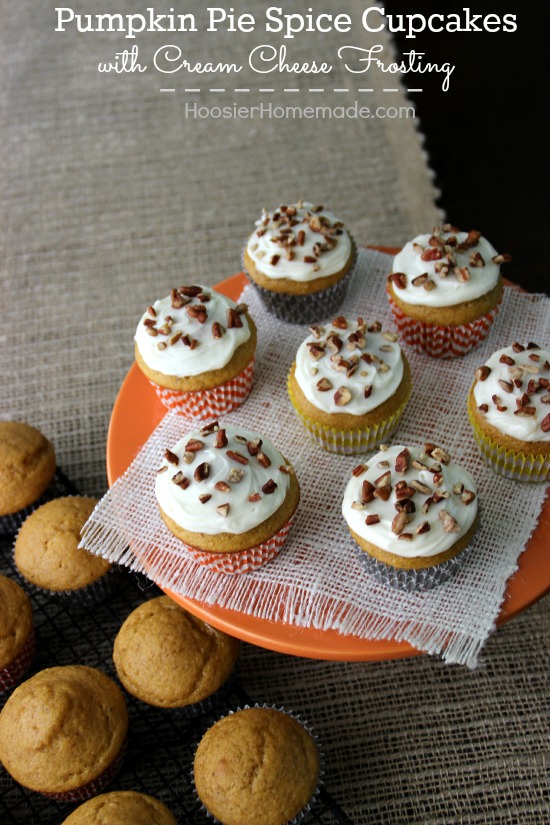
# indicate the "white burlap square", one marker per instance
pixel 316 581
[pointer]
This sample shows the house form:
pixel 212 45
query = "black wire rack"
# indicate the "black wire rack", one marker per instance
pixel 161 742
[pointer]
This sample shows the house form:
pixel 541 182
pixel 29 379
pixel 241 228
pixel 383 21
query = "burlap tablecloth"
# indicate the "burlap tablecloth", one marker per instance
pixel 110 195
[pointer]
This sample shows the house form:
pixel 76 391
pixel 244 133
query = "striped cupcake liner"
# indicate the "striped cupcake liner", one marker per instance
pixel 94 787
pixel 442 341
pixel 13 674
pixel 518 466
pixel 209 403
pixel 348 442
pixel 243 561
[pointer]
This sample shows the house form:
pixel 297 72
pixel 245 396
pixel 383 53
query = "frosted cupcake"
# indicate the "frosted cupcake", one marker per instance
pixel 445 290
pixel 350 384
pixel 298 258
pixel 229 495
pixel 509 408
pixel 412 513
pixel 197 348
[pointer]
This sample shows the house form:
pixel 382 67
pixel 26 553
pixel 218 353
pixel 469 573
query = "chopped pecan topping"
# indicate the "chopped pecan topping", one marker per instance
pixel 236 456
pixel 482 373
pixel 254 447
pixel 423 528
pixel 180 480
pixel 323 385
pixel 221 439
pixel 194 445
pixel 202 471
pixel 204 498
pixel 450 524
pixel 342 396
pixel 235 475
pixel 373 518
pixel 263 459
pixel 269 487
pixel 367 492
pixel 171 457
pixel 222 486
pixel 384 480
pixel 399 522
pixel 398 279
pixel 217 330
pixel 233 319
pixel 223 509
pixel 402 461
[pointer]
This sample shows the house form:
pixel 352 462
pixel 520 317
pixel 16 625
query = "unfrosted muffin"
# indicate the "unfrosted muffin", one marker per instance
pixel 411 511
pixel 258 766
pixel 298 258
pixel 27 466
pixel 350 384
pixel 197 349
pixel 229 495
pixel 47 553
pixel 168 658
pixel 445 289
pixel 509 407
pixel 63 732
pixel 121 808
pixel 16 633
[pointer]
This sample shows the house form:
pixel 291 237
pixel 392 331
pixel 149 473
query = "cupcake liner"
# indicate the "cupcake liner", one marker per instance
pixel 209 403
pixel 94 787
pixel 518 466
pixel 59 486
pixel 424 578
pixel 348 442
pixel 306 309
pixel 243 561
pixel 307 808
pixel 12 675
pixel 442 341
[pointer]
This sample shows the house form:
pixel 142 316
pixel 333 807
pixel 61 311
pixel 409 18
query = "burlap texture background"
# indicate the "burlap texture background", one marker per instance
pixel 109 193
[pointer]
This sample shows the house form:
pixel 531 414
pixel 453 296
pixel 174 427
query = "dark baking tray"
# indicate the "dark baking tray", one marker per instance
pixel 161 742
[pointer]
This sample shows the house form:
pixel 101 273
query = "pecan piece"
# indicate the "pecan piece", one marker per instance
pixel 194 445
pixel 202 471
pixel 399 523
pixel 171 457
pixel 223 509
pixel 236 456
pixel 221 439
pixel 398 279
pixel 269 487
pixel 372 519
pixel 450 524
pixel 482 373
pixel 204 498
pixel 323 385
pixel 367 492
pixel 402 461
pixel 342 396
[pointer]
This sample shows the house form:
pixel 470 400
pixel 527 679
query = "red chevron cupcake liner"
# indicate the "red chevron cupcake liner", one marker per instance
pixel 95 786
pixel 13 674
pixel 245 560
pixel 209 403
pixel 442 341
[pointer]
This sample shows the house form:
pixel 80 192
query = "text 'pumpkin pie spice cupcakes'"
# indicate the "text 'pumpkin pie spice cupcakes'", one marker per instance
pixel 63 732
pixel 168 658
pixel 197 349
pixel 121 808
pixel 413 513
pixel 350 384
pixel 257 765
pixel 48 556
pixel 509 408
pixel 27 466
pixel 445 291
pixel 17 638
pixel 229 495
pixel 299 258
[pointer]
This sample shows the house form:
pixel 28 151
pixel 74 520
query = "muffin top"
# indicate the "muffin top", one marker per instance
pixel 301 242
pixel 168 658
pixel 409 501
pixel 446 268
pixel 192 330
pixel 15 620
pixel 121 808
pixel 222 479
pixel 512 391
pixel 347 366
pixel 27 465
pixel 258 766
pixel 46 549
pixel 62 728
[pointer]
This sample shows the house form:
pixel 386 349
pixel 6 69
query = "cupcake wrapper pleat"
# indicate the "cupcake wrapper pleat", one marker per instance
pixel 517 466
pixel 94 787
pixel 348 442
pixel 245 560
pixel 442 341
pixel 412 580
pixel 209 403
pixel 13 674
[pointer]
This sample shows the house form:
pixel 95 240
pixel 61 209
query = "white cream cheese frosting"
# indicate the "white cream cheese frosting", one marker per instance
pixel 301 242
pixel 349 367
pixel 192 330
pixel 512 391
pixel 410 501
pixel 446 268
pixel 222 479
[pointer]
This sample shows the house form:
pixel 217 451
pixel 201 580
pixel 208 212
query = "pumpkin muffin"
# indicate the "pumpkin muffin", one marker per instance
pixel 27 466
pixel 168 658
pixel 121 808
pixel 63 732
pixel 197 347
pixel 509 408
pixel 17 638
pixel 229 495
pixel 298 259
pixel 349 384
pixel 445 290
pixel 258 766
pixel 47 552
